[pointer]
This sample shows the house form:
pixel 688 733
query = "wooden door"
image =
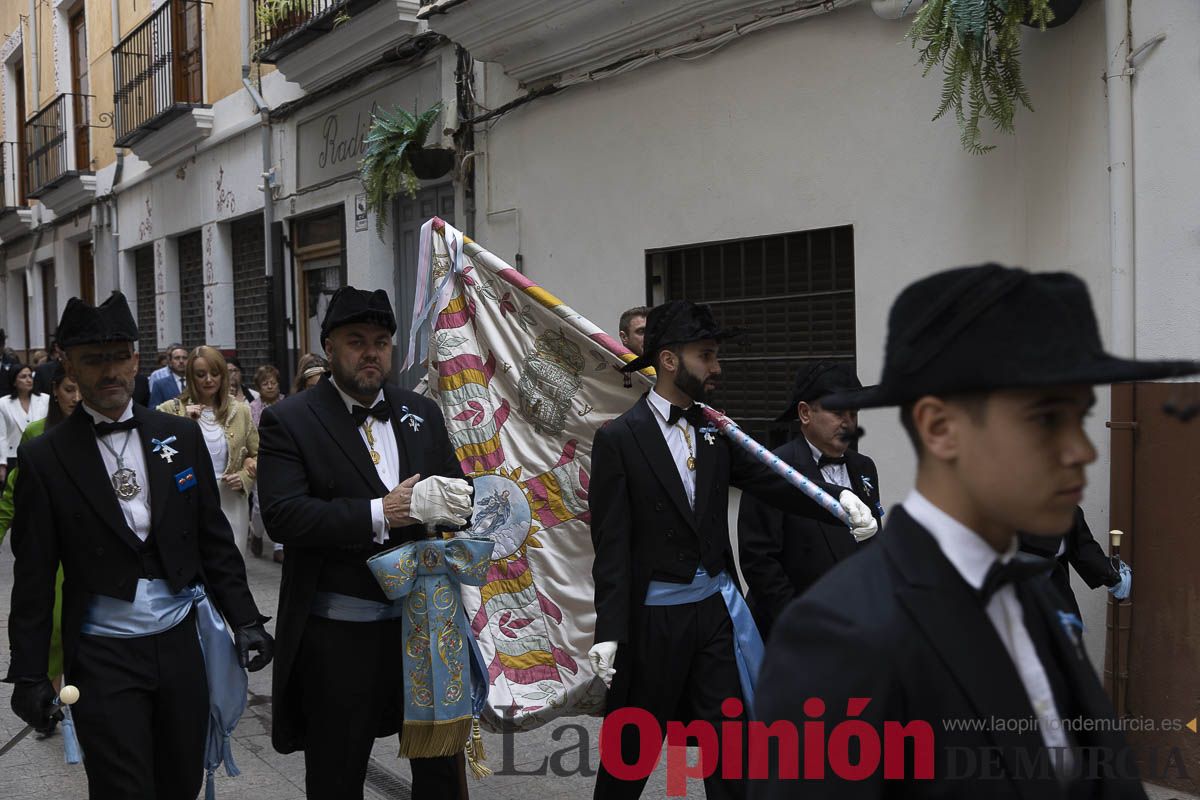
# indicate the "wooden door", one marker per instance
pixel 189 65
pixel 80 88
pixel 87 274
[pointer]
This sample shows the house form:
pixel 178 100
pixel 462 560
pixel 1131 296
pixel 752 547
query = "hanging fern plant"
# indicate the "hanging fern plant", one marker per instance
pixel 977 43
pixel 390 144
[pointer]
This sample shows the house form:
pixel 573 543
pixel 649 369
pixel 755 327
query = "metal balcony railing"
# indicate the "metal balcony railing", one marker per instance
pixel 158 71
pixel 47 141
pixel 282 25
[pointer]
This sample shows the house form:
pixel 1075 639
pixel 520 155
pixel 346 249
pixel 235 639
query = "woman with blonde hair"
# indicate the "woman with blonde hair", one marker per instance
pixel 228 430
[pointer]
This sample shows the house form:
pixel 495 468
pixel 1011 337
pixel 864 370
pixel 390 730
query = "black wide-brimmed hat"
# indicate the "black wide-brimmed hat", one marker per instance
pixel 676 322
pixel 989 327
pixel 82 323
pixel 817 379
pixel 349 305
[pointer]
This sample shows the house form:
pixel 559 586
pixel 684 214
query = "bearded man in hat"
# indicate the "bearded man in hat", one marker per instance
pixel 347 469
pixel 944 627
pixel 784 554
pixel 125 498
pixel 673 635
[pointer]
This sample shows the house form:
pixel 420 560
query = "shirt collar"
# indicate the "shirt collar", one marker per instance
pixel 816 454
pixel 962 547
pixel 661 406
pixel 350 401
pixel 97 417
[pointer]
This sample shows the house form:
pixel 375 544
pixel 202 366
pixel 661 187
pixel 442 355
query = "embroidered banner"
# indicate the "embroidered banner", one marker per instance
pixel 523 381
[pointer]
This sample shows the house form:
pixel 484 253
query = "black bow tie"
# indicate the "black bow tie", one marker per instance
pixel 825 460
pixel 105 428
pixel 692 414
pixel 1018 568
pixel 381 411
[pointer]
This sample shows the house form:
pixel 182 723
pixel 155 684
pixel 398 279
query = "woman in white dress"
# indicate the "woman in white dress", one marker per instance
pixel 22 406
pixel 229 433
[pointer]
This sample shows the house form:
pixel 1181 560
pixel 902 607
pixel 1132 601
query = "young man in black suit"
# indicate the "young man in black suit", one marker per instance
pixel 340 479
pixel 784 554
pixel 1079 549
pixel 673 634
pixel 126 500
pixel 944 626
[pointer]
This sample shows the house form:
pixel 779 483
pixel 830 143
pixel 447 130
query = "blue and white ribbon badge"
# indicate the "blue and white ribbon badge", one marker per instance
pixel 164 449
pixel 412 419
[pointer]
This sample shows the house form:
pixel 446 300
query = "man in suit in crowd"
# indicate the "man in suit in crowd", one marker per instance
pixel 169 385
pixel 632 329
pixel 673 634
pixel 784 554
pixel 1079 549
pixel 943 625
pixel 347 469
pixel 43 374
pixel 8 364
pixel 126 500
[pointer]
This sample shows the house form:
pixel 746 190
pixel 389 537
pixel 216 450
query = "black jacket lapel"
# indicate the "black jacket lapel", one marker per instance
pixel 649 438
pixel 800 457
pixel 706 470
pixel 410 463
pixel 161 477
pixel 79 455
pixel 331 412
pixel 951 618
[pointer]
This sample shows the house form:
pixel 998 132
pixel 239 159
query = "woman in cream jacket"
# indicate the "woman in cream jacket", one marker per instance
pixel 229 433
pixel 21 407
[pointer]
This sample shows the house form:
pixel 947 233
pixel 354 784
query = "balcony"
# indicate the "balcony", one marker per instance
pixel 14 212
pixel 158 69
pixel 315 42
pixel 542 41
pixel 56 143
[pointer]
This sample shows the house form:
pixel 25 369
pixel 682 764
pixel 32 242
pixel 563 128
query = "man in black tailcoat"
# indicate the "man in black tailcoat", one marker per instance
pixel 348 469
pixel 943 626
pixel 668 608
pixel 784 554
pixel 1078 548
pixel 125 498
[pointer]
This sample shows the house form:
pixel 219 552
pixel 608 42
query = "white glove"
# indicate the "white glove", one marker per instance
pixel 862 523
pixel 442 501
pixel 603 655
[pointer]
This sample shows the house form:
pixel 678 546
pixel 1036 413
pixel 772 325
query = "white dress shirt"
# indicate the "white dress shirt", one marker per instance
pixel 136 510
pixel 389 461
pixel 973 557
pixel 677 442
pixel 16 419
pixel 837 474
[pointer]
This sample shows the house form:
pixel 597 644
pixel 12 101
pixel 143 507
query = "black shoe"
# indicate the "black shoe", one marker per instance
pixel 48 730
pixel 256 544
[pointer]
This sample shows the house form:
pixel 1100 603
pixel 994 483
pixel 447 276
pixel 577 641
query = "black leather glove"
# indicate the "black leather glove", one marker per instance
pixel 33 701
pixel 254 637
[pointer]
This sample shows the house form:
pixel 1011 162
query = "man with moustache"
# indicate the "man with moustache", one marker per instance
pixel 673 634
pixel 347 469
pixel 783 554
pixel 125 498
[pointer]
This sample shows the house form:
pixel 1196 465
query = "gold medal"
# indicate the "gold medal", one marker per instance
pixel 691 462
pixel 374 457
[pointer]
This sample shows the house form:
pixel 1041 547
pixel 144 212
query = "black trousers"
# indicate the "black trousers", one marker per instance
pixel 351 682
pixel 683 667
pixel 142 715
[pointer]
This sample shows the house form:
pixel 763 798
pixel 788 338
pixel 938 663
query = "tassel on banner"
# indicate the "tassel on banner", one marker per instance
pixel 475 754
pixel 424 740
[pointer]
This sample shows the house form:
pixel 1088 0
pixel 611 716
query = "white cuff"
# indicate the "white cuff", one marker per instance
pixel 379 522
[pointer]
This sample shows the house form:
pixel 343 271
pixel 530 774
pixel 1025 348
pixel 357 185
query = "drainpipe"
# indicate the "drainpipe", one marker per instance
pixel 275 282
pixel 114 231
pixel 35 79
pixel 1119 77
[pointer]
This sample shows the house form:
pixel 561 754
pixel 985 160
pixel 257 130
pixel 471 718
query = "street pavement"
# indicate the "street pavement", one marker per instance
pixel 34 770
pixel 542 764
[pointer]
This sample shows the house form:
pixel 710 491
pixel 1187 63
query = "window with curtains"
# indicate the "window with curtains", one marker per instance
pixel 792 294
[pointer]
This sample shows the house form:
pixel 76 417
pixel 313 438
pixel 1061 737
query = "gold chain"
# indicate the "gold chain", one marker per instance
pixel 687 437
pixel 375 457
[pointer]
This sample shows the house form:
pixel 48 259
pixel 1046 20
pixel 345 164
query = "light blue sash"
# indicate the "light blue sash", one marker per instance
pixel 442 694
pixel 154 610
pixel 747 644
